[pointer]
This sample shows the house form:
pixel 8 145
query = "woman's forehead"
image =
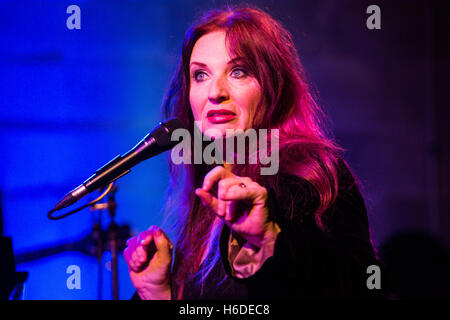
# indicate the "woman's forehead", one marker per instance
pixel 211 48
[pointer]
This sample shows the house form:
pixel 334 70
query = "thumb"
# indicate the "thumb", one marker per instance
pixel 163 244
pixel 207 199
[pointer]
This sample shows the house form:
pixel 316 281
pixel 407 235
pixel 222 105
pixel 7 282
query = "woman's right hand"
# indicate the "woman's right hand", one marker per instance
pixel 149 257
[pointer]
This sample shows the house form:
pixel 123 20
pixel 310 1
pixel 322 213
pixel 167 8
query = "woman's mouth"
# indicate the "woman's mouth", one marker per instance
pixel 220 116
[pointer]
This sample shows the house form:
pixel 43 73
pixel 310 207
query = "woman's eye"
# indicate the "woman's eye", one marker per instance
pixel 238 73
pixel 200 76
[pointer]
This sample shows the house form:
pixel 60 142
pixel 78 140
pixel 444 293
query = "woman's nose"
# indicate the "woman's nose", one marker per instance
pixel 218 91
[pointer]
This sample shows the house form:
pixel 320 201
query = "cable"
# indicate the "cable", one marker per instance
pixel 51 217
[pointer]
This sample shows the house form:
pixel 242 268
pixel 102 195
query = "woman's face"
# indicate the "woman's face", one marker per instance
pixel 222 94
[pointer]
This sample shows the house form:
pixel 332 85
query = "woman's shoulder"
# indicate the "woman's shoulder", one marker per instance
pixel 348 214
pixel 305 197
pixel 345 178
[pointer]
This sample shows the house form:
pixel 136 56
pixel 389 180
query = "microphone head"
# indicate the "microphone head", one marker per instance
pixel 163 133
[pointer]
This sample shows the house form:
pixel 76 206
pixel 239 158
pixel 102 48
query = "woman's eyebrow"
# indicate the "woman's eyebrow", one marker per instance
pixel 198 63
pixel 234 60
pixel 201 64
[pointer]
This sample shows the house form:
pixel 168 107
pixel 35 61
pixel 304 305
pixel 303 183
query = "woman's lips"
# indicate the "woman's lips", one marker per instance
pixel 220 116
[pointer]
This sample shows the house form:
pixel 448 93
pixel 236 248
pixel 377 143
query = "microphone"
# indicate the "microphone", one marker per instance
pixel 154 143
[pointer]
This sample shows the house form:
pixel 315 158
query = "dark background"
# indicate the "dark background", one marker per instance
pixel 71 100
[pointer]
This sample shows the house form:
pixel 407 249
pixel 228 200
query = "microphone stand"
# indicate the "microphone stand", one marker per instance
pixel 97 236
pixel 112 239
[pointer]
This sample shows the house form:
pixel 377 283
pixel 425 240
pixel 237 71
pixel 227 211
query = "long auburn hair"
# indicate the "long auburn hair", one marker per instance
pixel 305 149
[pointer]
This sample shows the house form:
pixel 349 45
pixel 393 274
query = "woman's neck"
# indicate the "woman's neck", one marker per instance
pixel 228 166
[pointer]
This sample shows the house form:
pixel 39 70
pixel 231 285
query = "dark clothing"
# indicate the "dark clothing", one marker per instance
pixel 307 262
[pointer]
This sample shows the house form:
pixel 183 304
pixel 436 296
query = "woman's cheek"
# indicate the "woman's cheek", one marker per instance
pixel 243 121
pixel 247 115
pixel 195 106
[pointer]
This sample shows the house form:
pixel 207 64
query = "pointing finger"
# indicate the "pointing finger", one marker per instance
pixel 214 175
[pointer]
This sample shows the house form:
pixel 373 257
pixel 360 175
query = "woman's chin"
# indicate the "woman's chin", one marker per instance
pixel 221 129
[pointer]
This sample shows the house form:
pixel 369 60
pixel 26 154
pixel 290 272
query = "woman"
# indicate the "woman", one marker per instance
pixel 300 233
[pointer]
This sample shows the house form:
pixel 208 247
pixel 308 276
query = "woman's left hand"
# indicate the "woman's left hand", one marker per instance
pixel 240 202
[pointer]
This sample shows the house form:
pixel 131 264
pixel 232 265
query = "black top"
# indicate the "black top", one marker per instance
pixel 307 263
